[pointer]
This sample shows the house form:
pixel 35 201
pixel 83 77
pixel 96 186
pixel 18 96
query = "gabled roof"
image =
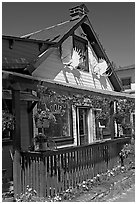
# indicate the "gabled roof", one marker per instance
pixel 58 33
pixel 55 35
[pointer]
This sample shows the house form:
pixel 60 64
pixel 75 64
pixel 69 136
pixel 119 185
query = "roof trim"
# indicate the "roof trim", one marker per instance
pixel 119 85
pixel 6 37
pixel 31 79
pixel 82 20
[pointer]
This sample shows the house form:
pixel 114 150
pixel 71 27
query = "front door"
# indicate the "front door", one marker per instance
pixel 82 117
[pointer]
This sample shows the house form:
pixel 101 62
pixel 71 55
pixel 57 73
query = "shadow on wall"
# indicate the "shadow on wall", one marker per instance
pixel 76 73
pixel 102 80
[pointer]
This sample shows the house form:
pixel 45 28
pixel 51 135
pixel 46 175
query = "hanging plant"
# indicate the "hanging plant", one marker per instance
pixel 124 106
pixel 103 117
pixel 43 118
pixel 8 121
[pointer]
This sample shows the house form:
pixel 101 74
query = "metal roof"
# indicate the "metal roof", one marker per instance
pixel 53 33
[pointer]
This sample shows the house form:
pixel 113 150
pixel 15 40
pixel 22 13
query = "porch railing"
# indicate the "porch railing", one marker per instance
pixel 55 171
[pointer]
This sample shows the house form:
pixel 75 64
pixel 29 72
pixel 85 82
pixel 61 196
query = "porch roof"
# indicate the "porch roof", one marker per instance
pixel 24 81
pixel 24 96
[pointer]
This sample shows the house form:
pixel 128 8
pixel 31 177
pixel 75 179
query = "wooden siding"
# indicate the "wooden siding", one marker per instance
pixel 53 68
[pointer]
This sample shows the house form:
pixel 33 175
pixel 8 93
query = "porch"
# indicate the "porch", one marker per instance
pixel 52 172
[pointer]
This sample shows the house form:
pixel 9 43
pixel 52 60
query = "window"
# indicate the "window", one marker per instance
pixel 80 45
pixel 62 113
pixel 62 127
pixel 126 82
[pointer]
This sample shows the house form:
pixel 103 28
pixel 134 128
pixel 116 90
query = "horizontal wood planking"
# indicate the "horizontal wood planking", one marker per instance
pixel 53 172
pixel 53 68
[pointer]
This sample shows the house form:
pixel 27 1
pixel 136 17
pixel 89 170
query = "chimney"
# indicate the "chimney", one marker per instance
pixel 78 11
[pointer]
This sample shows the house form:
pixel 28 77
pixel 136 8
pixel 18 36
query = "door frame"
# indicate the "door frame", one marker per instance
pixel 77 122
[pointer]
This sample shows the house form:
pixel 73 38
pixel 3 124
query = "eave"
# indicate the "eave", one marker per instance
pixel 22 82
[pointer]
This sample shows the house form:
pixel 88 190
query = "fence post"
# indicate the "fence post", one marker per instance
pixel 17 173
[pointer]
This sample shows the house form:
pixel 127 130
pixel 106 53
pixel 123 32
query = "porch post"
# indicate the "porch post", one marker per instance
pixel 115 124
pixel 112 125
pixel 16 143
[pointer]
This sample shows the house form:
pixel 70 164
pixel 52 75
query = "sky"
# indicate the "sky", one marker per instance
pixel 114 22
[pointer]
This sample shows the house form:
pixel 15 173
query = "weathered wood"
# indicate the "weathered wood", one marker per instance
pixel 16 143
pixel 53 172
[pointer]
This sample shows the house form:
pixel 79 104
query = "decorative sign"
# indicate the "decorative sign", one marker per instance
pixel 57 108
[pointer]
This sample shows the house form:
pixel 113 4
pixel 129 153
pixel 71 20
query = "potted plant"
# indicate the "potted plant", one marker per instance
pixel 43 118
pixel 8 122
pixel 40 142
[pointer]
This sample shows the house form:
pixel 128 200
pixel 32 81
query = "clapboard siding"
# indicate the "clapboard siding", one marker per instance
pixel 53 68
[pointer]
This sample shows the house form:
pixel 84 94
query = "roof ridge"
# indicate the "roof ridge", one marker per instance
pixel 131 65
pixel 30 34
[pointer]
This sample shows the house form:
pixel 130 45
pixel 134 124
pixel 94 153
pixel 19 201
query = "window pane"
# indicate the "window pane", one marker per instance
pixel 81 122
pixel 62 126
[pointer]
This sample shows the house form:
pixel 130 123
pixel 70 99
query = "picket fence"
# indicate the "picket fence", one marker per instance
pixel 53 172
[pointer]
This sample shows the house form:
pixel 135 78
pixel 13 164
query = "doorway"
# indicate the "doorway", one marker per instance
pixel 82 122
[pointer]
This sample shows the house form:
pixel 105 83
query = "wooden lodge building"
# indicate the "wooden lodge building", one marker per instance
pixel 65 68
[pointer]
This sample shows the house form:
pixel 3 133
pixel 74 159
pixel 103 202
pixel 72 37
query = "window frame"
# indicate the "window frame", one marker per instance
pixel 85 42
pixel 69 137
